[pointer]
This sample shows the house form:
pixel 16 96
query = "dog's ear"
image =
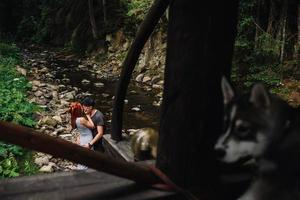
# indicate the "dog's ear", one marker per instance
pixel 227 90
pixel 259 96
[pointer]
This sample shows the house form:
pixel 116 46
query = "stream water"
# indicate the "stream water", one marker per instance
pixel 137 96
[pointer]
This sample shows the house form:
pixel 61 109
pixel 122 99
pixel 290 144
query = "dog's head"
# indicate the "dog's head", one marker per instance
pixel 247 124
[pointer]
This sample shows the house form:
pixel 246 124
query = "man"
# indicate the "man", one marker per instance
pixel 98 119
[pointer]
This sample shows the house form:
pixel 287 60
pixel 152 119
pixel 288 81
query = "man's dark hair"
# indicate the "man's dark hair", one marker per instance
pixel 88 101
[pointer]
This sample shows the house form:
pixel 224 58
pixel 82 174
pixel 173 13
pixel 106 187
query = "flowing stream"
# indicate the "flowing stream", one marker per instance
pixel 139 110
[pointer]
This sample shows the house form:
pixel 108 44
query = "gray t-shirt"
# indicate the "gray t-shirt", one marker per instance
pixel 98 120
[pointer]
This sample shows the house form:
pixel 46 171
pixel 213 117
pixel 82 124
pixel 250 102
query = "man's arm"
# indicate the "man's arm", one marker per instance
pixel 98 136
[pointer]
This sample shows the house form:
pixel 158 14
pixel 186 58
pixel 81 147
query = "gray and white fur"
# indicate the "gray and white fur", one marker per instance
pixel 264 127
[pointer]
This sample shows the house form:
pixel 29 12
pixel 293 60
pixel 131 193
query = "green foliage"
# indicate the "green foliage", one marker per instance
pixel 7 149
pixel 9 51
pixel 15 108
pixel 9 167
pixel 136 11
pixel 268 77
pixel 138 8
pixel 267 50
pixel 256 55
pixel 15 161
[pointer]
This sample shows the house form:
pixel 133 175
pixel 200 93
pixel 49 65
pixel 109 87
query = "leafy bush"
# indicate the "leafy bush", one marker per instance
pixel 138 9
pixel 15 108
pixel 9 51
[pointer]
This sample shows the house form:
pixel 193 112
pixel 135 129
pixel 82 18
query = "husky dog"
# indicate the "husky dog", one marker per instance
pixel 266 128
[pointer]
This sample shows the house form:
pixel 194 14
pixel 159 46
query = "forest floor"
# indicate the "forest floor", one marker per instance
pixel 289 90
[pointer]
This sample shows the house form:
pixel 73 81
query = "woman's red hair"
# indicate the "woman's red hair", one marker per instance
pixel 76 111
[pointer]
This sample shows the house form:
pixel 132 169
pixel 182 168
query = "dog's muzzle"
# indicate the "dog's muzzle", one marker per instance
pixel 220 153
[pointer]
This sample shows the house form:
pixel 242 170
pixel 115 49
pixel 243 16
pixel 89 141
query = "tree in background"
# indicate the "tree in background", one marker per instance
pixel 266 46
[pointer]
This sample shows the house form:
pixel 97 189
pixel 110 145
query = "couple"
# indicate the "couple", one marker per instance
pixel 90 124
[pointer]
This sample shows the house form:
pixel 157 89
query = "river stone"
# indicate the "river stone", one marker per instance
pixel 160 82
pixel 66 136
pixel 42 101
pixel 105 95
pixel 99 84
pixel 40 161
pixel 57 118
pixel 48 95
pixel 65 80
pixel 55 94
pixel 156 86
pixel 21 70
pixel 146 79
pixel 36 83
pixel 126 45
pixel 44 70
pixel 155 79
pixel 139 78
pixel 85 82
pixel 46 169
pixel 49 121
pixel 38 93
pixel 82 66
pixel 136 109
pixel 159 94
pixel 68 95
pixel 156 103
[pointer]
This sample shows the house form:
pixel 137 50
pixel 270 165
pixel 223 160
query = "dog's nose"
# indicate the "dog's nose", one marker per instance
pixel 220 153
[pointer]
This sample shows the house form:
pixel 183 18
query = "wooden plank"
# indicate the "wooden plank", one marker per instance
pixel 85 184
pixel 120 150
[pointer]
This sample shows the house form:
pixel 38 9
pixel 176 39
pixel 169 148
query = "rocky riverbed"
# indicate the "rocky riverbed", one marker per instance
pixel 53 88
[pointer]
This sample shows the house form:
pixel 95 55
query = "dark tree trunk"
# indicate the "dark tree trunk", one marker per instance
pixel 298 43
pixel 104 11
pixel 92 19
pixel 261 16
pixel 283 20
pixel 291 30
pixel 200 47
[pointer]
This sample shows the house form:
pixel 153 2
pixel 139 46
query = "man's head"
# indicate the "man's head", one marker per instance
pixel 88 104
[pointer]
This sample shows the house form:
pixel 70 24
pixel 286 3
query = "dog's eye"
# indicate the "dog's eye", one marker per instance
pixel 225 123
pixel 242 129
pixel 244 132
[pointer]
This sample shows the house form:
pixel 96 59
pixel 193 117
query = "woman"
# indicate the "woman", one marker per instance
pixel 84 124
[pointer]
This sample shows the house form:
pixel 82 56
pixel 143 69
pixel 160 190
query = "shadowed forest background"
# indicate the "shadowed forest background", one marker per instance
pixel 267 49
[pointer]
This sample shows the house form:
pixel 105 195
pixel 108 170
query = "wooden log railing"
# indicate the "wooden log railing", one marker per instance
pixel 142 174
pixel 28 138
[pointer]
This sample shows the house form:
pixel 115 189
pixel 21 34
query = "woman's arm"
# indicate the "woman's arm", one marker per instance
pixel 87 123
